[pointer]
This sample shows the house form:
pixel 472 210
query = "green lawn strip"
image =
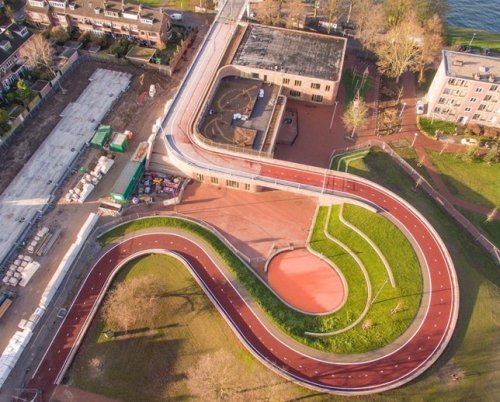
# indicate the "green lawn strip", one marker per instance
pixel 474 349
pixel 351 83
pixel 343 158
pixel 148 2
pixel 290 321
pixel 430 126
pixel 476 182
pixel 482 40
pixel 405 298
pixel 150 365
pixel 490 229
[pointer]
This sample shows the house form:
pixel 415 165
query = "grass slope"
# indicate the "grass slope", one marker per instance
pixel 483 39
pixel 351 84
pixel 151 364
pixel 344 158
pixel 476 182
pixel 474 351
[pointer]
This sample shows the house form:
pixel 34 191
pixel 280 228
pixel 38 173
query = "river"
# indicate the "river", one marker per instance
pixel 479 14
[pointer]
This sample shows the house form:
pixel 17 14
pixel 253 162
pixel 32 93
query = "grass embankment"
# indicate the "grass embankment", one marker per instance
pixel 341 161
pixel 476 182
pixel 352 82
pixel 474 351
pixel 429 126
pixel 404 299
pixel 482 40
pixel 295 324
pixel 150 364
pixel 491 229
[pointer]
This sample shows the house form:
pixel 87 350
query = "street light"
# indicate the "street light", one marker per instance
pixel 473 36
pixel 333 115
pixel 402 109
pixel 414 139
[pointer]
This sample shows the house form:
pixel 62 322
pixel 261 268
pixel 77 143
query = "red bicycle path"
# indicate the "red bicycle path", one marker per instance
pixel 357 377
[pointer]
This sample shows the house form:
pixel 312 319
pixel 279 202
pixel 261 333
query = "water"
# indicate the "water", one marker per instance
pixel 479 14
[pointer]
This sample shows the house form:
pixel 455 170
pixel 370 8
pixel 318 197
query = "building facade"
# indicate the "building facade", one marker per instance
pixel 12 38
pixel 466 90
pixel 103 17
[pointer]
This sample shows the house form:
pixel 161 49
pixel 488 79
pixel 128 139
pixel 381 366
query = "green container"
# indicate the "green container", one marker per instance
pixel 119 143
pixel 101 136
pixel 127 182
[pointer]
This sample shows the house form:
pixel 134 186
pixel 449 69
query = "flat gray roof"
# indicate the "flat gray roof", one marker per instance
pixel 472 66
pixel 292 52
pixel 30 190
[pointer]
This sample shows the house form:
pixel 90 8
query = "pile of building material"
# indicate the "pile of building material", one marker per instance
pixel 157 183
pixel 20 271
pixel 87 183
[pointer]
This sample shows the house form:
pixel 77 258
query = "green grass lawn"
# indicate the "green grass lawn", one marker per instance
pixel 151 364
pixel 409 155
pixel 401 258
pixel 149 2
pixel 351 84
pixel 344 158
pixel 294 323
pixel 490 229
pixel 430 127
pixel 483 39
pixel 476 182
pixel 474 350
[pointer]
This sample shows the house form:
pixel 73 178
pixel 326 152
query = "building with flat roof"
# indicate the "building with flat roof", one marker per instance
pixel 466 89
pixel 307 65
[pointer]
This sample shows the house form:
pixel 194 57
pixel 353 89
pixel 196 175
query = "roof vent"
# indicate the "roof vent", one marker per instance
pixel 491 78
pixel 97 10
pixel 458 63
pixel 483 69
pixel 72 6
pixel 476 76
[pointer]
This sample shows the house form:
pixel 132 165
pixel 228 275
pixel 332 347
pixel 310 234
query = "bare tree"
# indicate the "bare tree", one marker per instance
pixel 370 22
pixel 133 303
pixel 272 12
pixel 215 377
pixel 432 45
pixel 296 11
pixel 356 115
pixel 37 53
pixel 331 9
pixel 401 49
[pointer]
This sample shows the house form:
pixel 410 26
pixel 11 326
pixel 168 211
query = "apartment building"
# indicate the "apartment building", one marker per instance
pixel 307 66
pixel 12 38
pixel 466 90
pixel 101 17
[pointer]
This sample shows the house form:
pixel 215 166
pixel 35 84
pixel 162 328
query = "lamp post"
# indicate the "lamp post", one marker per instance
pixel 473 36
pixel 333 114
pixel 414 140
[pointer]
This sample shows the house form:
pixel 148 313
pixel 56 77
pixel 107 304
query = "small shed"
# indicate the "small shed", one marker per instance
pixel 101 136
pixel 118 142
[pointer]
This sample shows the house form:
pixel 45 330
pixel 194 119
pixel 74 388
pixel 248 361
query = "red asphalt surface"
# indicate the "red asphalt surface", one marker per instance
pixel 360 377
pixel 306 282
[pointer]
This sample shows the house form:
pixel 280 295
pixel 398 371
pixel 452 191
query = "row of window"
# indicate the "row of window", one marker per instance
pixel 314 98
pixel 465 83
pixel 229 183
pixel 296 83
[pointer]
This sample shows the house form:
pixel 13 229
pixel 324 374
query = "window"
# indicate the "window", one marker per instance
pixel 481 107
pixel 327 88
pixel 479 90
pixel 232 183
pixel 295 94
pixel 286 80
pixel 442 101
pixel 473 100
pixel 446 91
pixel 467 109
pixel 214 180
pixel 476 116
pixel 437 110
pixel 493 87
pixel 317 98
pixel 255 75
pixel 199 177
pixel 247 187
pixel 487 98
pixel 298 83
pixel 315 85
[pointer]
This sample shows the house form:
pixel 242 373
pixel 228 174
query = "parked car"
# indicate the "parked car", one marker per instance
pixel 468 141
pixel 420 107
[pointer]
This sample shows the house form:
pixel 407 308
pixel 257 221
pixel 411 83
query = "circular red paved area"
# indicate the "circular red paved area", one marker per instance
pixel 306 282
